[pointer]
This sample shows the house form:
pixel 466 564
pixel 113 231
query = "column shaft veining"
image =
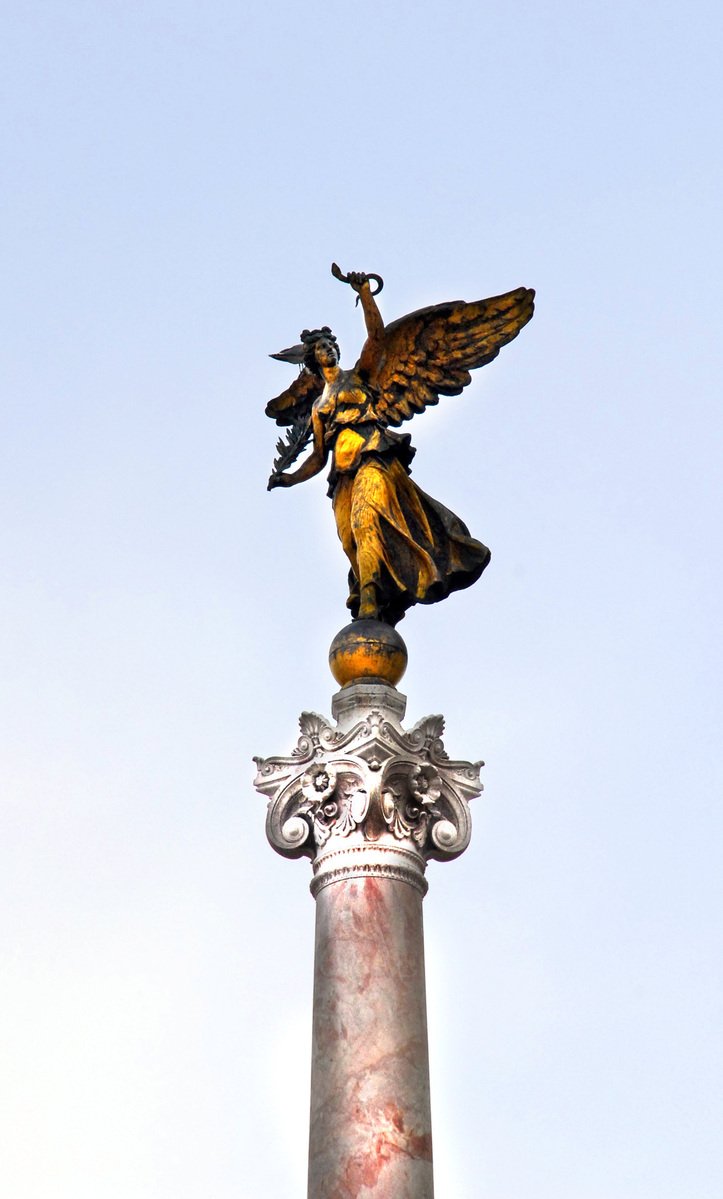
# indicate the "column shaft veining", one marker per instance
pixel 370 1131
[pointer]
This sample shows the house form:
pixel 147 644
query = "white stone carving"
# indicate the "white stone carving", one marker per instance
pixel 366 797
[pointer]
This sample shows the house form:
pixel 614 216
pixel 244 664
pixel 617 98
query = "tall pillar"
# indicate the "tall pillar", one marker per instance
pixel 370 804
pixel 370 1111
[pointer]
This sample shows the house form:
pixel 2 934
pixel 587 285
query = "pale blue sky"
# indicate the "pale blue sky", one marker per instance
pixel 178 179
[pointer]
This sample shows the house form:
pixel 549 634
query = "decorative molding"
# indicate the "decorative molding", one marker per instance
pixel 363 869
pixel 368 788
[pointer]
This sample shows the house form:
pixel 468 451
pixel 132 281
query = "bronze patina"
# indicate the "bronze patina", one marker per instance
pixel 403 546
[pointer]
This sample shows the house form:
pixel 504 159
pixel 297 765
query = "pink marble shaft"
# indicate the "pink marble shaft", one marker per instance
pixel 370 1135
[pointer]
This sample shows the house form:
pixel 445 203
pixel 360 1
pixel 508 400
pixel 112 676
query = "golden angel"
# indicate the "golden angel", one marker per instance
pixel 403 547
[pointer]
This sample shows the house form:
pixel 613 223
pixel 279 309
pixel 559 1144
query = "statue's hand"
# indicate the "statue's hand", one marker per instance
pixel 357 280
pixel 277 481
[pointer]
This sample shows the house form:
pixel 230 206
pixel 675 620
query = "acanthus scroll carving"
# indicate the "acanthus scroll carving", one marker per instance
pixel 373 783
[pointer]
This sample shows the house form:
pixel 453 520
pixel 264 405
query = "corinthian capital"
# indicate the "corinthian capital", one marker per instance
pixel 366 784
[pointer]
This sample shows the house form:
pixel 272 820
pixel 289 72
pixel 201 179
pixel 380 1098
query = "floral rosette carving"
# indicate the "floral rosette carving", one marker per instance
pixel 409 806
pixel 333 802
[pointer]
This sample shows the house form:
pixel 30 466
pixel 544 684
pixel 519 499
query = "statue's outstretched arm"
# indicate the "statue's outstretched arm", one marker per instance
pixel 311 465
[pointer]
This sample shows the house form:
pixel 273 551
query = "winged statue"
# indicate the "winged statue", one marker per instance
pixel 403 546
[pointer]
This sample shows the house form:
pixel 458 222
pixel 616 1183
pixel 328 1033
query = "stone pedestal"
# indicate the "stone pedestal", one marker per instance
pixel 370 804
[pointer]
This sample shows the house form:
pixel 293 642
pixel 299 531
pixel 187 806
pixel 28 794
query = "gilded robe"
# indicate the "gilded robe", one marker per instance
pixel 412 548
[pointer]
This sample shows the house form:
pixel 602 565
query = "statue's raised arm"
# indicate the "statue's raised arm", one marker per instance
pixel 403 546
pixel 373 349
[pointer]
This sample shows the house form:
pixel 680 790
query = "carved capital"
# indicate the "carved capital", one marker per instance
pixel 366 796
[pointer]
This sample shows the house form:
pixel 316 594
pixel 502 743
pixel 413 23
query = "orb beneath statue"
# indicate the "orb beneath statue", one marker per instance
pixel 370 650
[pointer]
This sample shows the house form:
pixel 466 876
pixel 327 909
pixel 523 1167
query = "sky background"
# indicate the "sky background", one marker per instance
pixel 178 178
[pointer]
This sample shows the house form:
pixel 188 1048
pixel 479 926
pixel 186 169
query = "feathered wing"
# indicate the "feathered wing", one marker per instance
pixel 295 404
pixel 431 352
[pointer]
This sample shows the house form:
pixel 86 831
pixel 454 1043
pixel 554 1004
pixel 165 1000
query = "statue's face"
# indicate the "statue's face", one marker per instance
pixel 325 352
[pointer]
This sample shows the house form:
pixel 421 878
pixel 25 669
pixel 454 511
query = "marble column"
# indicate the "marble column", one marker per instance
pixel 370 804
pixel 371 1131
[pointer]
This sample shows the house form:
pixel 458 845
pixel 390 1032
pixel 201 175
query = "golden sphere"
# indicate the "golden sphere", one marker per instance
pixel 370 650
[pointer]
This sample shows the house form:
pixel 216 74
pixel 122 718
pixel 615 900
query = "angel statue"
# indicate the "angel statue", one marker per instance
pixel 403 546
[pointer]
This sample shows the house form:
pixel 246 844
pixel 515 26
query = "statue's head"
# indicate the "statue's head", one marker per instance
pixel 320 348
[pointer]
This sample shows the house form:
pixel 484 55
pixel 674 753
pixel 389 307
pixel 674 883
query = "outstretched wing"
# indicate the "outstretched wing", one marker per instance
pixel 431 352
pixel 296 402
